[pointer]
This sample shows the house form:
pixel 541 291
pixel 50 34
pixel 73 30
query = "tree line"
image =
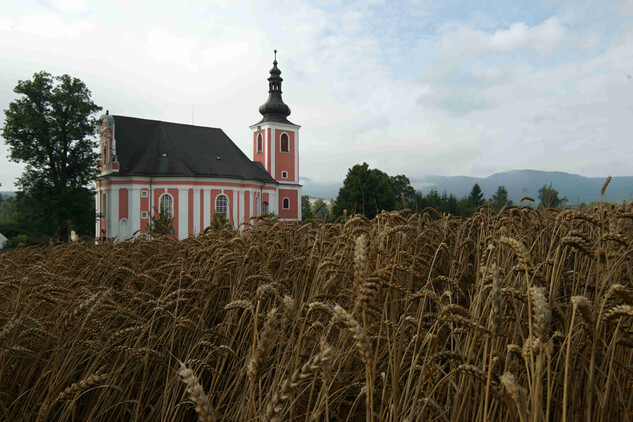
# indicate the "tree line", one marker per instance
pixel 369 191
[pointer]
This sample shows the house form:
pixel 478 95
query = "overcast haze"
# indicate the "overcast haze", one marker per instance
pixel 428 87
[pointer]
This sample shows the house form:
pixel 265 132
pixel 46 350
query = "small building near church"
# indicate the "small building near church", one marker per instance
pixel 195 172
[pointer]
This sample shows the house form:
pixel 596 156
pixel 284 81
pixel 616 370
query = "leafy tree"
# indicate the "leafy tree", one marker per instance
pixel 306 208
pixel 402 185
pixel 163 224
pixel 548 197
pixel 366 191
pixel 219 222
pixel 501 198
pixel 50 128
pixel 476 196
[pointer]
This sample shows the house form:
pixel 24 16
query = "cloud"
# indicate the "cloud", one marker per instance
pixel 626 7
pixel 163 46
pixel 467 42
pixel 70 5
pixel 47 26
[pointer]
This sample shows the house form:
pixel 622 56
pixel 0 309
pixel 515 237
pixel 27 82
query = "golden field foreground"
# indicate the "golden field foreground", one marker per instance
pixel 525 315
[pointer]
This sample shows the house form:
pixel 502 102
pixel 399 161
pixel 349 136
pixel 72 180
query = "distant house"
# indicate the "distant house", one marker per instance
pixel 3 241
pixel 195 172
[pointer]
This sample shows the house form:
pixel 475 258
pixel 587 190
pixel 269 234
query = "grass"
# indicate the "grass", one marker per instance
pixel 523 315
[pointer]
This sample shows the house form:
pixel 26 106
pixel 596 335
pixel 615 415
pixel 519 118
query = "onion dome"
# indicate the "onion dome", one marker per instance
pixel 274 109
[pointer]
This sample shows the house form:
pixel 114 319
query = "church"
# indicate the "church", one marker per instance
pixel 195 173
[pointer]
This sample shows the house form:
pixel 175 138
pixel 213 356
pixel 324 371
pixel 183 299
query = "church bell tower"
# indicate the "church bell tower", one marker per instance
pixel 276 147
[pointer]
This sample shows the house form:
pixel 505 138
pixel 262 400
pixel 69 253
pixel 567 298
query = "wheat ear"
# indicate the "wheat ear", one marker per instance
pixel 274 409
pixel 196 394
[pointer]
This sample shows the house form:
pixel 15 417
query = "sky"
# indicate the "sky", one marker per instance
pixel 438 87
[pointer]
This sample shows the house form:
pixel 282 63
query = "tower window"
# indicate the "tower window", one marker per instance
pixel 284 143
pixel 167 205
pixel 285 204
pixel 260 143
pixel 284 174
pixel 222 205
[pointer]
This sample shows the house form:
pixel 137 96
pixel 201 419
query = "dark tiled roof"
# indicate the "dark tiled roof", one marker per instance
pixel 155 148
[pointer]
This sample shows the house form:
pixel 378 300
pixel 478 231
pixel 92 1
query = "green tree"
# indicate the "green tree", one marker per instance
pixel 500 198
pixel 402 185
pixel 306 208
pixel 366 191
pixel 548 197
pixel 163 224
pixel 50 128
pixel 476 196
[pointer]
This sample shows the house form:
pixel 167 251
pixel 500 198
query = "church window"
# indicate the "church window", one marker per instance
pixel 222 205
pixel 284 174
pixel 104 208
pixel 105 156
pixel 260 143
pixel 167 205
pixel 144 194
pixel 285 203
pixel 264 207
pixel 256 203
pixel 143 214
pixel 284 143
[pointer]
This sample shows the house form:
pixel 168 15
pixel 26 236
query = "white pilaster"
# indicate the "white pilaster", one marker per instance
pixel 206 209
pixel 234 209
pixel 196 211
pixel 98 211
pixel 183 213
pixel 273 202
pixel 134 215
pixel 113 223
pixel 240 214
pixel 266 148
pixel 297 157
pixel 273 152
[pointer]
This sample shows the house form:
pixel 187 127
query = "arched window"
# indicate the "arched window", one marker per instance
pixel 256 206
pixel 264 207
pixel 284 143
pixel 167 205
pixel 285 204
pixel 105 156
pixel 104 207
pixel 260 143
pixel 222 205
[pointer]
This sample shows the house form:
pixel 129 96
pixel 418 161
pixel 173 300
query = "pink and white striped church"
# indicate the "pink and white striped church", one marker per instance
pixel 196 172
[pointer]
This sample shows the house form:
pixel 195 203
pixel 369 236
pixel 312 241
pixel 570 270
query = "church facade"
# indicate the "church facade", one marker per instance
pixel 194 173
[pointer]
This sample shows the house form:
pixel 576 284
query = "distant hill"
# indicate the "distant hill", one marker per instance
pixel 520 183
pixel 7 194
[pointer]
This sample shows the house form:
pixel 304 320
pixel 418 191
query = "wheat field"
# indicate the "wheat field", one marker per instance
pixel 523 315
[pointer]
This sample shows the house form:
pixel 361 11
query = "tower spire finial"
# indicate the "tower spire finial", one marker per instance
pixel 275 57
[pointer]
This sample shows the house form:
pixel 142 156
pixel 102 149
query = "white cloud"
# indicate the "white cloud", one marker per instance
pixel 70 5
pixel 47 26
pixel 163 46
pixel 466 42
pixel 626 7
